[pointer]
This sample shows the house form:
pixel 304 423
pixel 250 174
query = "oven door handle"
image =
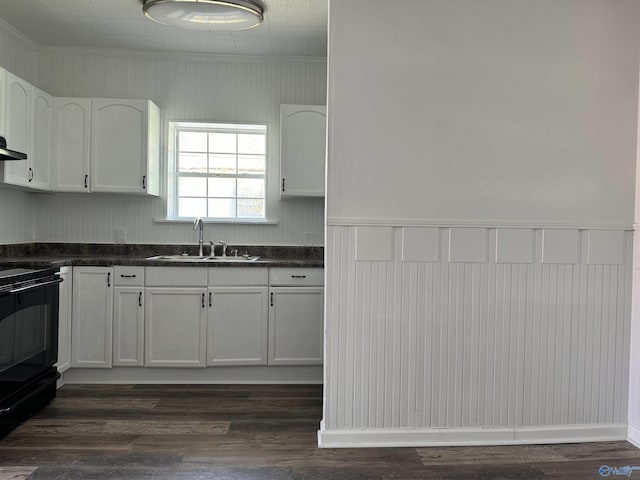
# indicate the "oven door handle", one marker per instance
pixel 36 285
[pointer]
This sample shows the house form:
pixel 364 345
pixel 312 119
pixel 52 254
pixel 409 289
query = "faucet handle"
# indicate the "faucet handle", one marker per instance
pixel 224 248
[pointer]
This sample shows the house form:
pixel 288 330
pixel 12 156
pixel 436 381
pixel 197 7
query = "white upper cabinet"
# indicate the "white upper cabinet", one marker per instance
pixel 303 138
pixel 125 145
pixel 70 157
pixel 3 102
pixel 41 136
pixel 18 128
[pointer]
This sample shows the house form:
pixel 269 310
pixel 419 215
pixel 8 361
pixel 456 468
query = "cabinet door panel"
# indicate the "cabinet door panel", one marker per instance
pixel 64 319
pixel 70 158
pixel 128 326
pixel 42 111
pixel 18 128
pixel 118 145
pixel 237 326
pixel 296 326
pixel 92 317
pixel 303 149
pixel 175 327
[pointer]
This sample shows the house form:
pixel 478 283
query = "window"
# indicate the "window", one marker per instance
pixel 219 171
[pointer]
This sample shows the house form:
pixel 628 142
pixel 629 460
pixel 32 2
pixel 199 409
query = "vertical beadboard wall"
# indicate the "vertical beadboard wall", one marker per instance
pixel 222 89
pixel 475 335
pixel 19 56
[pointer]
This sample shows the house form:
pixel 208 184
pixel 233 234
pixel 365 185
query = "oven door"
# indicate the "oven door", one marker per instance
pixel 28 335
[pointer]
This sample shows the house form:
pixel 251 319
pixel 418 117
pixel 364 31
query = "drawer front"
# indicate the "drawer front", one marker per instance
pixel 229 276
pixel 303 277
pixel 176 277
pixel 128 276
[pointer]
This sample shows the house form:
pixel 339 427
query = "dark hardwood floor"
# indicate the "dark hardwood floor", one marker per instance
pixel 153 432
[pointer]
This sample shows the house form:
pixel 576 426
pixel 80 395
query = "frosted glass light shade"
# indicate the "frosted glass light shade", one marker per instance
pixel 205 14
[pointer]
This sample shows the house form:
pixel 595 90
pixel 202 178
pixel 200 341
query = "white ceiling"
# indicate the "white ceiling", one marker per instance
pixel 290 28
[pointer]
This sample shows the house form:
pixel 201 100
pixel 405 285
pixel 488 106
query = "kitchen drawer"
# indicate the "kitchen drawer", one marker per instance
pixel 128 276
pixel 176 276
pixel 229 276
pixel 303 277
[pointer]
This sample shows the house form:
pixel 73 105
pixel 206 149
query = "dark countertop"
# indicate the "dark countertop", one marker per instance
pixel 108 261
pixel 60 255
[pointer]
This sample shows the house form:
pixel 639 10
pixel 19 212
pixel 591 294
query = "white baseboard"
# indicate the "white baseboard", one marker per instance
pixel 470 436
pixel 633 435
pixel 217 375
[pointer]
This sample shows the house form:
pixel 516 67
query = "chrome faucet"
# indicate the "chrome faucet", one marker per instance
pixel 224 248
pixel 199 225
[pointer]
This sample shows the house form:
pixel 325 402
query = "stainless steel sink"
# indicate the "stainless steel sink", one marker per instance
pixel 178 258
pixel 231 259
pixel 196 258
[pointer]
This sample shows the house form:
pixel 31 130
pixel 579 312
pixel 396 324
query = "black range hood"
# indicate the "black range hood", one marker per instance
pixel 6 154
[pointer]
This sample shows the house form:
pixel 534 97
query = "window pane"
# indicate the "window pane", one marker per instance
pixel 193 163
pixel 250 208
pixel 251 165
pixel 251 144
pixel 222 187
pixel 193 187
pixel 225 164
pixel 250 187
pixel 222 208
pixel 192 141
pixel 192 207
pixel 222 142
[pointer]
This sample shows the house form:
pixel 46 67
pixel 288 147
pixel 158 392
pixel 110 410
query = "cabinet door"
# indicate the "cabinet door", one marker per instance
pixel 3 102
pixel 42 121
pixel 64 319
pixel 303 138
pixel 237 326
pixel 16 172
pixel 128 326
pixel 71 140
pixel 119 144
pixel 296 325
pixel 175 327
pixel 91 327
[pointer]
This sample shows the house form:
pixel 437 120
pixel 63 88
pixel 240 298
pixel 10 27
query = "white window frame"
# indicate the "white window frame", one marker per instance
pixel 173 174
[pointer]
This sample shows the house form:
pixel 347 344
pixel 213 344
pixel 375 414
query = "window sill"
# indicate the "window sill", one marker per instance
pixel 219 222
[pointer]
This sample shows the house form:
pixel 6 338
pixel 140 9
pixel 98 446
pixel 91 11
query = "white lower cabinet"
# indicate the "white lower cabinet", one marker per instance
pixel 128 317
pixel 237 326
pixel 64 319
pixel 175 327
pixel 296 316
pixel 296 325
pixel 92 318
pixel 192 317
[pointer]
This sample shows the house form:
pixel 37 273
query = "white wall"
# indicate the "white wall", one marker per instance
pixel 221 89
pixel 480 200
pixel 492 110
pixel 18 55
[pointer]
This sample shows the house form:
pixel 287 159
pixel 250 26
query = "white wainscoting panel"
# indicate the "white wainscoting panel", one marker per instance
pixel 421 244
pixel 530 346
pixel 561 246
pixel 468 245
pixel 374 244
pixel 606 247
pixel 515 245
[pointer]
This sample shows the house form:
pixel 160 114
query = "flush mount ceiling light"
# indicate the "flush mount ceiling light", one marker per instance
pixel 205 14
